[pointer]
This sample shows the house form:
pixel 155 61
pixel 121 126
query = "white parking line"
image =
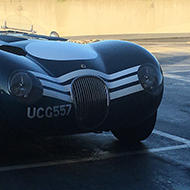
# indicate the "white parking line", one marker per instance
pixel 103 155
pixel 184 79
pixel 172 137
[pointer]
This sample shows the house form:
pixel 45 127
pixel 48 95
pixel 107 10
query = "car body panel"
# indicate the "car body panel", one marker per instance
pixel 55 66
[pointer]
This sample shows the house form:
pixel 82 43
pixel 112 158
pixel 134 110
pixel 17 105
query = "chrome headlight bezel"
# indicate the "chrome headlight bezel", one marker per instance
pixel 151 78
pixel 24 86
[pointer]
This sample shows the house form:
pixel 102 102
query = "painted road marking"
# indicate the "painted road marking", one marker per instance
pixel 180 71
pixel 180 67
pixel 103 155
pixel 172 137
pixel 184 79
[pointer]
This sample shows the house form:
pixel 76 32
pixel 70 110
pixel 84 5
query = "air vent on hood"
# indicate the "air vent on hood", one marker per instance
pixel 12 49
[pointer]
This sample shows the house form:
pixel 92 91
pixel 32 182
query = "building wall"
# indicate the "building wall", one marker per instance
pixel 94 17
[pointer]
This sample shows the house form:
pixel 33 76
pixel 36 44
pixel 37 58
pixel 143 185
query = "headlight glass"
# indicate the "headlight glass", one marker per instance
pixel 21 84
pixel 25 87
pixel 150 78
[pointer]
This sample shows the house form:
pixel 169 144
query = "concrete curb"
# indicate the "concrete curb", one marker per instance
pixel 135 37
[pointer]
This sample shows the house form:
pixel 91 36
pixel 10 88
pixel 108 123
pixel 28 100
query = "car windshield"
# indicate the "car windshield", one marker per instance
pixel 23 28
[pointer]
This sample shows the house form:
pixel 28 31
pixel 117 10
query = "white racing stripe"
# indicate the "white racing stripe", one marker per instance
pixel 113 95
pixel 54 83
pixel 61 88
pixel 83 72
pixel 57 95
pixel 122 82
pixel 111 85
pixel 125 91
pixel 103 155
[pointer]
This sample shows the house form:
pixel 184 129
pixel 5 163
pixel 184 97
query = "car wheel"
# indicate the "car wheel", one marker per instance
pixel 137 133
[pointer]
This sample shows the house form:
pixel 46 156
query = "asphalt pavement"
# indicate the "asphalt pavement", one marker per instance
pixel 99 161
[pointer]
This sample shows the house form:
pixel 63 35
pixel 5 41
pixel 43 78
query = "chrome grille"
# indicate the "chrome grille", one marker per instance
pixel 91 101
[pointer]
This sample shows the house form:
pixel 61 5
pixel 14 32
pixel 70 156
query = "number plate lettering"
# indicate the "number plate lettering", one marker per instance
pixel 49 112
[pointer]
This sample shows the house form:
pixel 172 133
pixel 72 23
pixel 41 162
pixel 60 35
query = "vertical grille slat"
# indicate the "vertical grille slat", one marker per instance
pixel 91 101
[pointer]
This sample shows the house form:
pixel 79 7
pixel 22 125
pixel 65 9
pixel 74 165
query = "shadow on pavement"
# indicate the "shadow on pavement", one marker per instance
pixel 64 148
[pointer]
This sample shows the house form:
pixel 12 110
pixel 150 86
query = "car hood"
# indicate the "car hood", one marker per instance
pixel 60 51
pixel 56 57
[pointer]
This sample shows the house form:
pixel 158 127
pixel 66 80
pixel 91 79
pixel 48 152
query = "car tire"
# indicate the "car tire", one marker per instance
pixel 137 133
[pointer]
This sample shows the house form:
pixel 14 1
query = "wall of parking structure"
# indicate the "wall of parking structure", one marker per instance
pixel 94 17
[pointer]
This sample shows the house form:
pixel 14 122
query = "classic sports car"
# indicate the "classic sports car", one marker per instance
pixel 50 86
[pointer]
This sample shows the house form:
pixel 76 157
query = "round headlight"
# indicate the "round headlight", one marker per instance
pixel 150 78
pixel 21 84
pixel 25 87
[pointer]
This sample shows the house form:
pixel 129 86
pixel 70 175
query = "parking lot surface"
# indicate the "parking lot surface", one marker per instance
pixel 100 161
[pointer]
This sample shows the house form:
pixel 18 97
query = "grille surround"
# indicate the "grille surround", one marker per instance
pixel 90 97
